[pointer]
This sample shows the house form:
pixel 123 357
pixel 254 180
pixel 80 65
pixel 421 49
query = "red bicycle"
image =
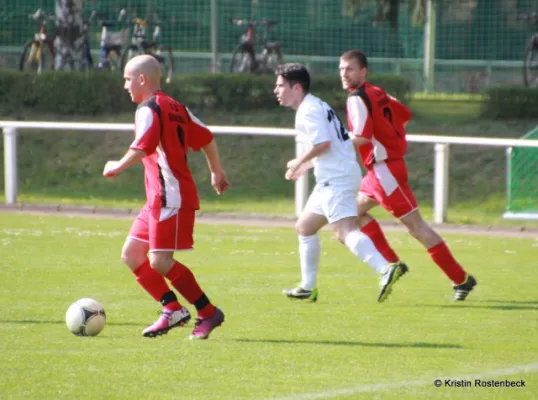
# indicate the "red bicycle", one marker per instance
pixel 244 58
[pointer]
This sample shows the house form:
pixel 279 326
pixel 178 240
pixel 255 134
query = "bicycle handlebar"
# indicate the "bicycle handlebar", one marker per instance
pixel 242 22
pixel 105 22
pixel 140 21
pixel 533 17
pixel 41 16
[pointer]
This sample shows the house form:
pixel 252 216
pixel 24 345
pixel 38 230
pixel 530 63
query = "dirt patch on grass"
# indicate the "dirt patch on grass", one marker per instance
pixel 252 220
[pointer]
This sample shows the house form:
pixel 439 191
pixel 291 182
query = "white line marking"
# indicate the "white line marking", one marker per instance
pixel 387 386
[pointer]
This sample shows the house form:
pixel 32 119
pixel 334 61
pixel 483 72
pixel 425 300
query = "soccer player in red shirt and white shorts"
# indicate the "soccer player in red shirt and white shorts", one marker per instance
pixel 377 124
pixel 164 131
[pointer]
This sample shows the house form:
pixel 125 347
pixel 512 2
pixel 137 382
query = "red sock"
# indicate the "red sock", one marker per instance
pixel 442 256
pixel 374 232
pixel 184 281
pixel 156 286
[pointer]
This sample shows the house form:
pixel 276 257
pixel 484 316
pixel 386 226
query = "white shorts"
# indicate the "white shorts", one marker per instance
pixel 334 201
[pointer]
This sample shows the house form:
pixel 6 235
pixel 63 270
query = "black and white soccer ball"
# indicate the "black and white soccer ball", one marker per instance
pixel 85 317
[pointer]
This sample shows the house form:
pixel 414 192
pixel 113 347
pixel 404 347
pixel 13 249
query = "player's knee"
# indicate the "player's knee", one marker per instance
pixel 301 229
pixel 422 232
pixel 364 219
pixel 130 259
pixel 341 236
pixel 161 262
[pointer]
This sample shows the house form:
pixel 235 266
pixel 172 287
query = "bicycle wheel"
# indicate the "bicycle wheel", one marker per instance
pixel 166 59
pixel 33 56
pixel 113 61
pixel 87 61
pixel 129 53
pixel 273 60
pixel 530 63
pixel 241 60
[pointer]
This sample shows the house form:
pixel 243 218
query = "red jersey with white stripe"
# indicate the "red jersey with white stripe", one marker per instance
pixel 165 130
pixel 374 115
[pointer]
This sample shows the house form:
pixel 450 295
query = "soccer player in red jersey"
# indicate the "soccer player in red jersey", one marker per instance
pixel 377 124
pixel 164 131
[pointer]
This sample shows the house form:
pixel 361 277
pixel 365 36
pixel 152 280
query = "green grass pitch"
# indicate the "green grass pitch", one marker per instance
pixel 346 346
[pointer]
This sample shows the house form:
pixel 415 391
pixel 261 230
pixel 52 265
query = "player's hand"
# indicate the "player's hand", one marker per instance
pixel 219 182
pixel 294 175
pixel 295 170
pixel 110 170
pixel 291 175
pixel 293 164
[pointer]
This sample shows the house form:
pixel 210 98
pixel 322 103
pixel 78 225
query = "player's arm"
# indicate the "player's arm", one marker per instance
pixel 147 137
pixel 113 168
pixel 306 158
pixel 315 127
pixel 360 121
pixel 202 138
pixel 400 111
pixel 218 176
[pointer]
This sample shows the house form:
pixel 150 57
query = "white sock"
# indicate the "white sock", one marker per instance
pixel 363 247
pixel 309 252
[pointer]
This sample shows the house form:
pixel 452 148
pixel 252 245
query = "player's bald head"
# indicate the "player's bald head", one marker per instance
pixel 145 65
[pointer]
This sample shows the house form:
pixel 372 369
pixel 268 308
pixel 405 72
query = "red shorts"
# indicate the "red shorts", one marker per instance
pixel 165 229
pixel 386 182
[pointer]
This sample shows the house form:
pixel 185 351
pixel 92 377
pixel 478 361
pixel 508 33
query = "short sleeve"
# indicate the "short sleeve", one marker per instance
pixel 199 135
pixel 314 125
pixel 147 130
pixel 360 120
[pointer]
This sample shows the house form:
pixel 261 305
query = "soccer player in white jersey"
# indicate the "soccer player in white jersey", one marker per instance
pixel 338 177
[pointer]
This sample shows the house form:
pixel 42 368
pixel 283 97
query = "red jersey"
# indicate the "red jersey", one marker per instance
pixel 373 114
pixel 165 130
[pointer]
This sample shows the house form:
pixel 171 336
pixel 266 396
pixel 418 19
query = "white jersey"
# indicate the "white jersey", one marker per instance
pixel 316 122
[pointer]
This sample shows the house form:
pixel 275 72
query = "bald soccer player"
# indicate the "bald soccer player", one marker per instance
pixel 164 131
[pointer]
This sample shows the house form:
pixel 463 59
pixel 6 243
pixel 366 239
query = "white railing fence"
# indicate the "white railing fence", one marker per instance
pixel 441 154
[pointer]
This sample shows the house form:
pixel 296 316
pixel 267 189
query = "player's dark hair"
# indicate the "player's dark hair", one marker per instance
pixel 357 55
pixel 294 73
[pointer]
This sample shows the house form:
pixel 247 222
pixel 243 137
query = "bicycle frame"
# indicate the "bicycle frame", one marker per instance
pixel 141 45
pixel 33 50
pixel 138 38
pixel 264 62
pixel 111 44
pixel 530 60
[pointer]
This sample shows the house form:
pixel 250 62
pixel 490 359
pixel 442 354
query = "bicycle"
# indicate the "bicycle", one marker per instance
pixel 33 53
pixel 111 44
pixel 244 58
pixel 141 45
pixel 530 60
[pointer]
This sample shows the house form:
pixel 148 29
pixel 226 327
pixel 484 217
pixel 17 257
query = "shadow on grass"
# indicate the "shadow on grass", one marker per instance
pixel 420 345
pixel 33 321
pixel 510 302
pixel 506 307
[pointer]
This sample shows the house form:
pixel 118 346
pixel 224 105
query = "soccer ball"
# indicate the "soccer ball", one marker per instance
pixel 85 317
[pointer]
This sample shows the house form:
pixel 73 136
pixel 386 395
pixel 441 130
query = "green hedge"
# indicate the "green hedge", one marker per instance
pixel 69 93
pixel 510 102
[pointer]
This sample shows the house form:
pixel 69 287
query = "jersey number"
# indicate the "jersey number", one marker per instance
pixel 181 135
pixel 340 130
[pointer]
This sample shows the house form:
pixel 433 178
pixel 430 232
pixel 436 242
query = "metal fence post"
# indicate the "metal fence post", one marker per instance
pixel 301 184
pixel 509 178
pixel 429 46
pixel 10 165
pixel 440 190
pixel 215 67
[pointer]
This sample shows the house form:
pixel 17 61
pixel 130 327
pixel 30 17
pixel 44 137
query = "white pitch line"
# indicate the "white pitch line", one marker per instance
pixel 403 384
